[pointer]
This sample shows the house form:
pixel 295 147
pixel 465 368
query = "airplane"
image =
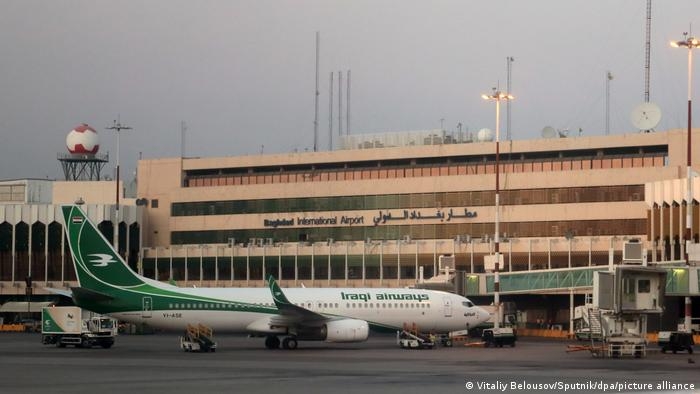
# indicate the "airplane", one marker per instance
pixel 108 286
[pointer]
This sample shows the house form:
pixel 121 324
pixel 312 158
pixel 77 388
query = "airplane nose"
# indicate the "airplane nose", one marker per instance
pixel 483 315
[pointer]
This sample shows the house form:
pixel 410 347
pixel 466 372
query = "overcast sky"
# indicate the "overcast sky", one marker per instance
pixel 241 73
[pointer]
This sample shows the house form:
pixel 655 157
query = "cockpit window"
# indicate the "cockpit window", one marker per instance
pixel 468 304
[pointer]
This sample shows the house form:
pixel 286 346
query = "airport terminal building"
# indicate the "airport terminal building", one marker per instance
pixel 381 214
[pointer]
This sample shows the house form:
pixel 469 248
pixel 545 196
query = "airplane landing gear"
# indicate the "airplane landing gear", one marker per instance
pixel 289 343
pixel 272 342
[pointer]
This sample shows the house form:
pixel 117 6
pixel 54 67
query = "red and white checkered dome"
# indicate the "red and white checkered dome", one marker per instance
pixel 83 139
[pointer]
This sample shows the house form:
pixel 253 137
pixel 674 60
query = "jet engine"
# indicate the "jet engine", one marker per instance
pixel 344 330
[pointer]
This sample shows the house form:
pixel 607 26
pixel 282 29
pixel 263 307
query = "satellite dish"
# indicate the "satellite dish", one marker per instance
pixel 549 132
pixel 646 116
pixel 484 135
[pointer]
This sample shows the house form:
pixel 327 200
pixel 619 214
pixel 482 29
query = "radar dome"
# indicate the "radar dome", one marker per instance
pixel 83 139
pixel 484 135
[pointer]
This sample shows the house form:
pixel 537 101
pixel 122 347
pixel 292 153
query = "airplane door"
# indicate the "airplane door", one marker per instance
pixel 447 306
pixel 147 309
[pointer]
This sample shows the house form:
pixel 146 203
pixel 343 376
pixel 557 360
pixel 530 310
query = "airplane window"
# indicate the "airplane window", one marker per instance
pixel 468 304
pixel 336 305
pixel 401 305
pixel 390 305
pixel 353 304
pixel 371 305
pixel 347 305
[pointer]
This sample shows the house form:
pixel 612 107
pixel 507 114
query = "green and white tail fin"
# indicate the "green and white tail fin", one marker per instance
pixel 278 296
pixel 98 266
pixel 288 308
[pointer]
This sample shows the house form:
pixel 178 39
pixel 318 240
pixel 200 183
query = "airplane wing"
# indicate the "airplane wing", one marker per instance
pixel 302 323
pixel 65 293
pixel 291 314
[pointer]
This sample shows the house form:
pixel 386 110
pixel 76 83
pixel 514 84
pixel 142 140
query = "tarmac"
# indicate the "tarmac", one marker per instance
pixel 155 364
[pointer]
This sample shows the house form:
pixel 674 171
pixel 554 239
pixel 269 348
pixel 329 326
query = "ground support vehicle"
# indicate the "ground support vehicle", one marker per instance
pixel 626 345
pixel 198 338
pixel 676 341
pixel 412 340
pixel 497 337
pixel 70 325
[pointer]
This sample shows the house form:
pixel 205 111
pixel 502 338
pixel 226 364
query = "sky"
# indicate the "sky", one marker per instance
pixel 241 74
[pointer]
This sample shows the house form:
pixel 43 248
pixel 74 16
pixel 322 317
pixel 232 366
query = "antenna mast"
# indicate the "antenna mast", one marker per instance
pixel 340 103
pixel 318 44
pixel 647 54
pixel 330 114
pixel 608 78
pixel 183 131
pixel 347 112
pixel 118 127
pixel 509 63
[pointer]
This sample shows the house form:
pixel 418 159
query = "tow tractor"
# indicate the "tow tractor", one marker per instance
pixel 198 338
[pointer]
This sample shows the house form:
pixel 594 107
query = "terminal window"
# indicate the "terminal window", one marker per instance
pixel 644 286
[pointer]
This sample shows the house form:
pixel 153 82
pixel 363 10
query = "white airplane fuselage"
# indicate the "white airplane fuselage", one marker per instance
pixel 387 309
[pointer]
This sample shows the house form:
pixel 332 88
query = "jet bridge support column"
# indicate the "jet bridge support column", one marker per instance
pixel 571 312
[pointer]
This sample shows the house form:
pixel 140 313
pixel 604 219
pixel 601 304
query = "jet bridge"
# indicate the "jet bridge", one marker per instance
pixel 622 301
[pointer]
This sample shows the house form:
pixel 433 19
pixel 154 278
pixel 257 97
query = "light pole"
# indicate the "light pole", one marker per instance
pixel 117 126
pixel 497 96
pixel 690 43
